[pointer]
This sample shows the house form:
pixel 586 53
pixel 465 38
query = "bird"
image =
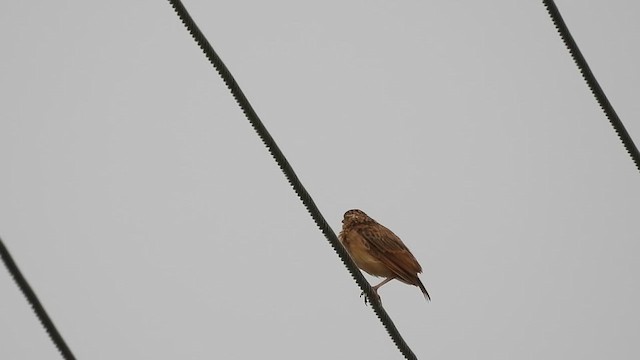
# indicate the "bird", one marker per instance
pixel 378 251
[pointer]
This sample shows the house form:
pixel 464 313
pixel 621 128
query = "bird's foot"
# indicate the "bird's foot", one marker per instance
pixel 367 297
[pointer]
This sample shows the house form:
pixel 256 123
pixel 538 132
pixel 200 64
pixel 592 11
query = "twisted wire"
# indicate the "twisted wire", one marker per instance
pixel 588 76
pixel 291 176
pixel 37 307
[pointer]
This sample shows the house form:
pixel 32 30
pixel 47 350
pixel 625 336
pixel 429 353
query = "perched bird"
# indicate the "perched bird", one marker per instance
pixel 378 251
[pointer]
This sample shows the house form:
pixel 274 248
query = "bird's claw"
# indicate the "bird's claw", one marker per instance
pixel 367 297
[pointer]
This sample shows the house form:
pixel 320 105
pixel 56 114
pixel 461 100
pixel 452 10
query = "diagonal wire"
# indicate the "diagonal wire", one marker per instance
pixel 41 313
pixel 291 176
pixel 588 76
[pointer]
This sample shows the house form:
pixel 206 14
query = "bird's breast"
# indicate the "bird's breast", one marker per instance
pixel 361 254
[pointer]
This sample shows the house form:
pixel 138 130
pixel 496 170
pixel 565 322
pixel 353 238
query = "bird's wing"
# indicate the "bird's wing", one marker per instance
pixel 389 249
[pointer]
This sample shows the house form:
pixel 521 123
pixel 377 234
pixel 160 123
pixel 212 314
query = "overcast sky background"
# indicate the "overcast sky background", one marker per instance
pixel 153 224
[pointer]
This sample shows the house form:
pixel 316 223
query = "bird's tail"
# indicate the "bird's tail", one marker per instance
pixel 424 290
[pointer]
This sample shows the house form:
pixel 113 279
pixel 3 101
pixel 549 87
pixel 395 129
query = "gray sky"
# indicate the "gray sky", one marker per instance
pixel 153 224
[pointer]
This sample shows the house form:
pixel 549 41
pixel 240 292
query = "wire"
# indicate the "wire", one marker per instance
pixel 592 82
pixel 41 313
pixel 291 176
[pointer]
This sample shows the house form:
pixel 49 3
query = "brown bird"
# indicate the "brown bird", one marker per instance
pixel 378 251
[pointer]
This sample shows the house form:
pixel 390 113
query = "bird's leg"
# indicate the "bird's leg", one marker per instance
pixel 375 289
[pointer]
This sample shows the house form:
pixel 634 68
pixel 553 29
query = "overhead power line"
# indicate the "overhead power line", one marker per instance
pixel 290 175
pixel 37 307
pixel 588 76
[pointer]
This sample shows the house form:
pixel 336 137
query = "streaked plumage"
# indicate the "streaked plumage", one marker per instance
pixel 378 251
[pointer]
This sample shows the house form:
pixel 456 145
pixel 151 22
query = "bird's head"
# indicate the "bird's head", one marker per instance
pixel 356 216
